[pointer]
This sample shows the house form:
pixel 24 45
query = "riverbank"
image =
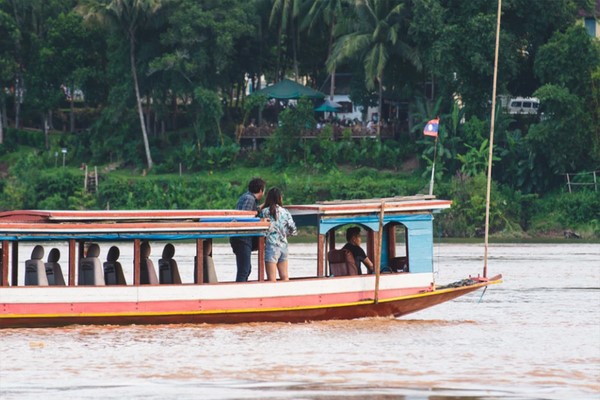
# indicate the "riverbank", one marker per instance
pixel 31 182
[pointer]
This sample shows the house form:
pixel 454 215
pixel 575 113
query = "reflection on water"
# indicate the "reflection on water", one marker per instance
pixel 536 336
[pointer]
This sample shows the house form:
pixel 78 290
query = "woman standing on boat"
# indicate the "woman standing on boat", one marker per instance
pixel 282 226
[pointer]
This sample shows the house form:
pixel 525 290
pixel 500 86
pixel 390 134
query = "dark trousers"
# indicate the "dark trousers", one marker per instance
pixel 242 248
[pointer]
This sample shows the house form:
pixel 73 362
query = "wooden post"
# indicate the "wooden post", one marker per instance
pixel 595 182
pixel 85 179
pixel 568 182
pixel 5 249
pixel 261 259
pixel 96 178
pixel 199 278
pixel 15 264
pixel 137 255
pixel 320 255
pixel 331 239
pixel 72 261
pixel 491 146
pixel 377 262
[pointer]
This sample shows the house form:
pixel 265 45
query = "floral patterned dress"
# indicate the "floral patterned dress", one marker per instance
pixel 281 228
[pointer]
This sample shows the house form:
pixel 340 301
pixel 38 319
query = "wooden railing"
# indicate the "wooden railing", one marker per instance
pixel 574 180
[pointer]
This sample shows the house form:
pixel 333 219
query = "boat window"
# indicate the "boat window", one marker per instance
pixel 399 252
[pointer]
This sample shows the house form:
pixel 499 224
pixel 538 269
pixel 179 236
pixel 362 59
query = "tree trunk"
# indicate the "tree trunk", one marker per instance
pixel 332 85
pixel 139 100
pixel 72 115
pixel 18 99
pixel 174 119
pixel 379 120
pixel 4 116
pixel 2 123
pixel 294 52
pixel 258 85
pixel 45 129
pixel 329 49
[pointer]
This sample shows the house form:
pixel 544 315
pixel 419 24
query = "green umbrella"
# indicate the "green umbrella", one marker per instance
pixel 329 106
pixel 287 89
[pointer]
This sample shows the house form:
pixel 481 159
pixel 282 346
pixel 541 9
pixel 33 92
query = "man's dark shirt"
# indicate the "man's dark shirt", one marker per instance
pixel 247 202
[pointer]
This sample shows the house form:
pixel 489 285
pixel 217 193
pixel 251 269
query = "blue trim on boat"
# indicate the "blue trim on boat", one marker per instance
pixel 370 221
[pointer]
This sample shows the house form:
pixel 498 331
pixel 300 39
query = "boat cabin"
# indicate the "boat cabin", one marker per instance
pixel 85 232
pixel 399 231
pixel 397 234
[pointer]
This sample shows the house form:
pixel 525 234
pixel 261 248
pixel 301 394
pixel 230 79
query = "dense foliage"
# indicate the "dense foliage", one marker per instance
pixel 161 86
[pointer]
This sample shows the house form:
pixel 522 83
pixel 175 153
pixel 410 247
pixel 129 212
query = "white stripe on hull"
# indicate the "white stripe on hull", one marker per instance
pixel 100 294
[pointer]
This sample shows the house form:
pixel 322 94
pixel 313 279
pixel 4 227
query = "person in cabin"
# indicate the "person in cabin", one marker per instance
pixel 353 245
pixel 243 246
pixel 282 226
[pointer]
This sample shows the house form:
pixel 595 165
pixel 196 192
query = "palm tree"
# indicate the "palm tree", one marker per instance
pixel 376 38
pixel 326 12
pixel 286 12
pixel 128 16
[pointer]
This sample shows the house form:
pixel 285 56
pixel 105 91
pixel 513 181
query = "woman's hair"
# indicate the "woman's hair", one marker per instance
pixel 274 199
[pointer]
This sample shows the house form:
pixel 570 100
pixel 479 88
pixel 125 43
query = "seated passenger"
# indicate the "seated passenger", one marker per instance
pixel 113 270
pixel 53 269
pixel 168 272
pixel 353 238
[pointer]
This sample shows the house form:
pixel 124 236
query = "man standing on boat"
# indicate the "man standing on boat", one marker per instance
pixel 242 246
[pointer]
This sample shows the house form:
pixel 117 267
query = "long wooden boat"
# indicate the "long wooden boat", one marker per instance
pixel 34 293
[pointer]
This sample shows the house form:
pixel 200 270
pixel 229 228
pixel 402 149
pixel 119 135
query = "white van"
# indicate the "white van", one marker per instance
pixel 523 105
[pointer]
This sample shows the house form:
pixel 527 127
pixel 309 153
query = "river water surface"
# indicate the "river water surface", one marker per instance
pixel 535 336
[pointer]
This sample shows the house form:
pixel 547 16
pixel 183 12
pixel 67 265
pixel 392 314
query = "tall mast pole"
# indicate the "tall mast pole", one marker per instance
pixel 491 152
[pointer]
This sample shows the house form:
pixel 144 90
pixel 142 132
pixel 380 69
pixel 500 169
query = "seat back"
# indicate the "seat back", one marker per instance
pixel 35 271
pixel 147 271
pixel 168 272
pixel 398 264
pixel 53 269
pixel 90 268
pixel 341 263
pixel 113 270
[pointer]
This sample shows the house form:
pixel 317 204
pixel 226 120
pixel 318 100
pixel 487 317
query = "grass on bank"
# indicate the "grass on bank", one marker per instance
pixel 32 181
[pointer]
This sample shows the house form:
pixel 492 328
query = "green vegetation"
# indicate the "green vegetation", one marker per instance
pixel 37 181
pixel 145 89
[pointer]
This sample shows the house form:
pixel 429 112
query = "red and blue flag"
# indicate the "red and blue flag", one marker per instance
pixel 431 129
